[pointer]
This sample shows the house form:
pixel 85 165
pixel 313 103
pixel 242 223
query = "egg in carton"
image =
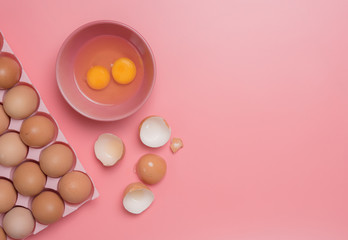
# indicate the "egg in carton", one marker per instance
pixel 41 179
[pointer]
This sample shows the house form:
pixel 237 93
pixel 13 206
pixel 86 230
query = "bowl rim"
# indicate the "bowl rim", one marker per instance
pixel 1 41
pixel 83 27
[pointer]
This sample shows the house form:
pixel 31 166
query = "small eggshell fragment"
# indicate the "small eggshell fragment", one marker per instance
pixel 154 131
pixel 8 195
pixel 12 150
pixel 4 120
pixel 176 145
pixel 151 168
pixel 109 149
pixel 2 234
pixel 75 187
pixel 28 179
pixel 137 197
pixel 18 223
pixel 56 160
pixel 37 131
pixel 10 72
pixel 47 207
pixel 20 101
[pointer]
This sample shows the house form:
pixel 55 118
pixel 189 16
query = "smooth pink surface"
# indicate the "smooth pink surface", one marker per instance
pixel 256 89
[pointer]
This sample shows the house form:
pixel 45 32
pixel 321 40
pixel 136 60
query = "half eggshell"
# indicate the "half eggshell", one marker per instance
pixel 137 198
pixel 154 131
pixel 109 149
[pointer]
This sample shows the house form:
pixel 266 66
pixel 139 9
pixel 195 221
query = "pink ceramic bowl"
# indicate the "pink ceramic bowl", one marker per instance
pixel 66 78
pixel 1 41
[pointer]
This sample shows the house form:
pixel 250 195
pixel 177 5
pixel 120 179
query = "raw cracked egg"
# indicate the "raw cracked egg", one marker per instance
pixel 12 150
pixel 75 187
pixel 154 131
pixel 8 195
pixel 4 120
pixel 124 70
pixel 20 101
pixel 37 131
pixel 28 179
pixel 109 149
pixel 10 72
pixel 137 197
pixel 151 168
pixel 47 207
pixel 18 223
pixel 56 160
pixel 98 77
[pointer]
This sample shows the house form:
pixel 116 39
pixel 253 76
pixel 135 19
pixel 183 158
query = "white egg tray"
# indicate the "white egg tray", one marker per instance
pixel 34 153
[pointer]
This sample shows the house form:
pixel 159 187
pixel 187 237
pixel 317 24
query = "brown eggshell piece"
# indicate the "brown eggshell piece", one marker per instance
pixel 176 144
pixel 47 207
pixel 56 160
pixel 10 72
pixel 4 120
pixel 20 101
pixel 2 234
pixel 151 168
pixel 12 150
pixel 37 131
pixel 28 179
pixel 75 187
pixel 8 195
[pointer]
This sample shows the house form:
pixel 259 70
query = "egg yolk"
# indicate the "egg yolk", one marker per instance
pixel 98 77
pixel 124 71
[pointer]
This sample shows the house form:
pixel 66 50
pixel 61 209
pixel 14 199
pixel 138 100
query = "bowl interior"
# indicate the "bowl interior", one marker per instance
pixel 66 79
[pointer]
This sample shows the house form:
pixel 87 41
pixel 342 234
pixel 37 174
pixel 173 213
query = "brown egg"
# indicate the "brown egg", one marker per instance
pixel 75 187
pixel 2 234
pixel 47 207
pixel 8 195
pixel 151 168
pixel 10 72
pixel 20 101
pixel 56 160
pixel 18 223
pixel 37 131
pixel 28 179
pixel 4 120
pixel 12 149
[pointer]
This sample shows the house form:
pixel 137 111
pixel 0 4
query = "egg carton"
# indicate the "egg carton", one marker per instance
pixel 34 153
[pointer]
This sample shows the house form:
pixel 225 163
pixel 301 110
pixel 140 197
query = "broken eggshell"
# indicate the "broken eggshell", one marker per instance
pixel 109 149
pixel 154 131
pixel 137 197
pixel 176 144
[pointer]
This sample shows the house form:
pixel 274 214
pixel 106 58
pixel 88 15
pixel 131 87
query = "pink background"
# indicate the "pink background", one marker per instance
pixel 256 89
